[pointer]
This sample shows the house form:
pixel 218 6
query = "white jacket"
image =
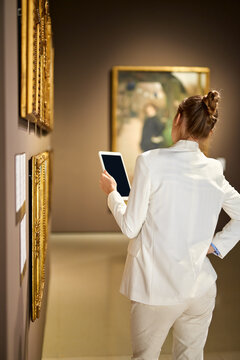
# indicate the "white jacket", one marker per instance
pixel 173 208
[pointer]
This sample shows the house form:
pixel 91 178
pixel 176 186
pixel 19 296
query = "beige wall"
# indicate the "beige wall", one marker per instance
pixel 21 339
pixel 2 201
pixel 89 40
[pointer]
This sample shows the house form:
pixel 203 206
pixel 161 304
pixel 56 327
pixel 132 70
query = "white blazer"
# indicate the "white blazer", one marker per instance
pixel 176 196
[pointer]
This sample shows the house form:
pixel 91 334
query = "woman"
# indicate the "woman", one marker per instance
pixel 175 200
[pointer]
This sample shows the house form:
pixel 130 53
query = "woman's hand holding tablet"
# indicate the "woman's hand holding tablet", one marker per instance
pixel 113 163
pixel 107 183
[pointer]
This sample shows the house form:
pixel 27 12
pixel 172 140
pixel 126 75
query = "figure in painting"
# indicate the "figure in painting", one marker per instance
pixel 152 129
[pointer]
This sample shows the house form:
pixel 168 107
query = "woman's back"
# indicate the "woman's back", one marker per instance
pixel 186 193
pixel 185 198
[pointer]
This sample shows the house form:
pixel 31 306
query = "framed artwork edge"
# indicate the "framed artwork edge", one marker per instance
pixel 40 191
pixel 37 65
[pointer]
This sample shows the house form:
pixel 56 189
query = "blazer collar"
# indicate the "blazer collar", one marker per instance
pixel 188 145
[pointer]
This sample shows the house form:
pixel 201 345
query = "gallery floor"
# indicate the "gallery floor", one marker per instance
pixel 87 317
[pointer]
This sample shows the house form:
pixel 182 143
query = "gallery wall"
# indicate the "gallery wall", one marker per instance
pixel 90 38
pixel 21 339
pixel 2 200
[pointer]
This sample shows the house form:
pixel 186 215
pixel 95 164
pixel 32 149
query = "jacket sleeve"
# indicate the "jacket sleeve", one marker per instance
pixel 131 217
pixel 226 239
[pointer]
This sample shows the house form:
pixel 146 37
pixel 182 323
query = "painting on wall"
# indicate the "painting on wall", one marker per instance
pixel 144 103
pixel 39 167
pixel 37 64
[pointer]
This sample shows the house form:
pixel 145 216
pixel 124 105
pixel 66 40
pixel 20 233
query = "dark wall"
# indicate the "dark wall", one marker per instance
pixel 20 338
pixel 90 39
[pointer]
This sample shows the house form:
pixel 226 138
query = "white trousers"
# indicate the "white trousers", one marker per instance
pixel 190 321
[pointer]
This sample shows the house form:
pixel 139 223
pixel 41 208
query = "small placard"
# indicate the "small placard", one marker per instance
pixel 20 184
pixel 20 171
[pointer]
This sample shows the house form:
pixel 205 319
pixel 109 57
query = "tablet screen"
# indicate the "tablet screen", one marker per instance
pixel 114 166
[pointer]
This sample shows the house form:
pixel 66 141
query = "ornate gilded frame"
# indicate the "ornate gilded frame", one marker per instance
pixel 40 189
pixel 37 64
pixel 169 69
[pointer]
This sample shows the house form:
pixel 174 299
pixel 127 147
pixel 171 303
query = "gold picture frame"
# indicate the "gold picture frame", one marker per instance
pixel 40 190
pixel 37 64
pixel 136 89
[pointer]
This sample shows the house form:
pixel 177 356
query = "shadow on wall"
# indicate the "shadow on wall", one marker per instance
pixel 21 330
pixel 31 128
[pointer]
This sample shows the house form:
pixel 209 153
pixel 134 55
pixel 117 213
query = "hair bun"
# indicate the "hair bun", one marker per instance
pixel 211 101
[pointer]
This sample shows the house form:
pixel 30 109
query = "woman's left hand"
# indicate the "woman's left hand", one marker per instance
pixel 107 182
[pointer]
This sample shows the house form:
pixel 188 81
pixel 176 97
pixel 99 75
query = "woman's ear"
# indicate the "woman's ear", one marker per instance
pixel 177 119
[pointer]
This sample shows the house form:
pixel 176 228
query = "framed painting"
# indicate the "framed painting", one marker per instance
pixel 39 167
pixel 144 103
pixel 37 63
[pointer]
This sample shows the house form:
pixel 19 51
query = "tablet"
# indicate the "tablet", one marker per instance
pixel 113 163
